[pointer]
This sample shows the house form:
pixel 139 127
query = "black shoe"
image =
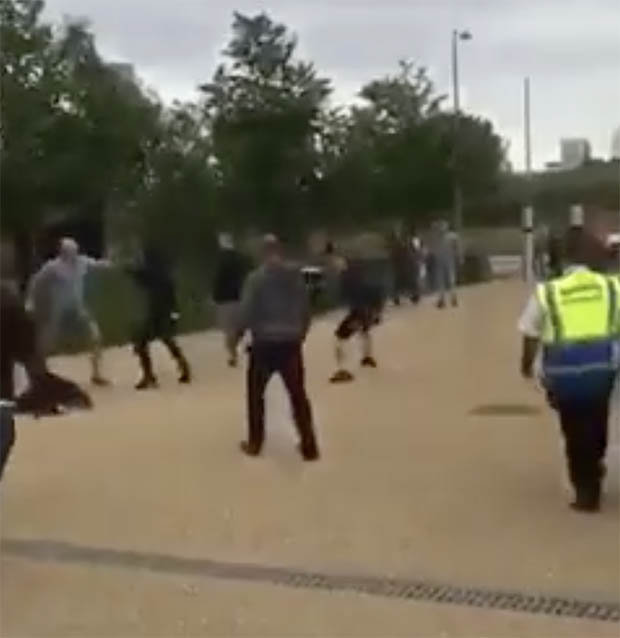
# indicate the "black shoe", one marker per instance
pixel 100 381
pixel 588 507
pixel 147 383
pixel 232 362
pixel 341 376
pixel 441 304
pixel 588 502
pixel 249 450
pixel 309 453
pixel 369 362
pixel 186 376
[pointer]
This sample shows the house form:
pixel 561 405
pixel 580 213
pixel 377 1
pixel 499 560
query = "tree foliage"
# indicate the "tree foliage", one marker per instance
pixel 263 147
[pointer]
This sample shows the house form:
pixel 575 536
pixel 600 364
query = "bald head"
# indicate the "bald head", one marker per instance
pixel 271 248
pixel 68 249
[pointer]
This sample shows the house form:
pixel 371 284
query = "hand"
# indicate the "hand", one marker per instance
pixel 175 316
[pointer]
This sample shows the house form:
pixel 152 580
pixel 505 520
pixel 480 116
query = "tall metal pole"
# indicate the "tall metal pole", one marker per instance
pixel 528 211
pixel 457 193
pixel 527 128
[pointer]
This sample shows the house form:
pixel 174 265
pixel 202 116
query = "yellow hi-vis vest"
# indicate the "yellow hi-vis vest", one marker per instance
pixel 581 306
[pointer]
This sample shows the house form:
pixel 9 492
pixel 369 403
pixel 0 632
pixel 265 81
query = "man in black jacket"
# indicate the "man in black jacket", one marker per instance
pixel 155 279
pixel 231 270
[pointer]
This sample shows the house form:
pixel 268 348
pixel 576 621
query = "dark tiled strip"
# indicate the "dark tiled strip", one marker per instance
pixel 414 590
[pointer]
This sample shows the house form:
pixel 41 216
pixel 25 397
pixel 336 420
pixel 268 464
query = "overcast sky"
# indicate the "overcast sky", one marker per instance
pixel 569 48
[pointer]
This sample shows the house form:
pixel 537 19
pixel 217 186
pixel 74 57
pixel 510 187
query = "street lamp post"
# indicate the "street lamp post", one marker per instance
pixel 458 195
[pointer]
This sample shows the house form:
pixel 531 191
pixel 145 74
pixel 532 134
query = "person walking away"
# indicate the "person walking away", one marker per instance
pixel 231 270
pixel 576 316
pixel 400 257
pixel 417 258
pixel 554 254
pixel 155 280
pixel 541 242
pixel 364 303
pixel 446 252
pixel 275 309
pixel 56 297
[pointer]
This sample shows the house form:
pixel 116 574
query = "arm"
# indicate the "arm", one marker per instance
pixel 98 264
pixel 305 307
pixel 530 326
pixel 245 307
pixel 528 356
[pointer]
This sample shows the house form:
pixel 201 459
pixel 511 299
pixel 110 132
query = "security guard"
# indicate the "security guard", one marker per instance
pixel 577 318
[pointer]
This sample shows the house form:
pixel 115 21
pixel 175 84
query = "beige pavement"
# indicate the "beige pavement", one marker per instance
pixel 411 484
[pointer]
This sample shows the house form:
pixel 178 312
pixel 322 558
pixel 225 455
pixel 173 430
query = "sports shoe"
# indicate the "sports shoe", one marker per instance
pixel 102 382
pixel 186 376
pixel 369 362
pixel 147 383
pixel 341 376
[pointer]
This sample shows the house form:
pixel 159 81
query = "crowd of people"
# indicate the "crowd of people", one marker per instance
pixel 572 318
pixel 272 302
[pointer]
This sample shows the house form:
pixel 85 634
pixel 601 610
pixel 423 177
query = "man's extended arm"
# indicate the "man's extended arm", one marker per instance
pixel 245 307
pixel 98 264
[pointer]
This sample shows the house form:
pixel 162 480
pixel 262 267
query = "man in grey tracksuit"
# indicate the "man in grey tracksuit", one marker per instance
pixel 275 309
pixel 56 297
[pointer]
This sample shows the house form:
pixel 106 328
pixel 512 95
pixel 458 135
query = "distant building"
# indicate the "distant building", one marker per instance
pixel 574 152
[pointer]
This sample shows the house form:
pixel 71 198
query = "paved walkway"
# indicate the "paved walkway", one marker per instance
pixel 110 519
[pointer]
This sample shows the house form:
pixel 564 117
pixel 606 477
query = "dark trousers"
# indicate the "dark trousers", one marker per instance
pixel 285 358
pixel 162 327
pixel 584 425
pixel 7 435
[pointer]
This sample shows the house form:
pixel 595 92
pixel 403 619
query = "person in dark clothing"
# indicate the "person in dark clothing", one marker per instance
pixel 161 317
pixel 365 303
pixel 402 266
pixel 416 257
pixel 275 309
pixel 47 393
pixel 231 270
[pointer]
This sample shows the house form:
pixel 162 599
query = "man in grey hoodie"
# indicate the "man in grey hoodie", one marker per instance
pixel 56 298
pixel 275 309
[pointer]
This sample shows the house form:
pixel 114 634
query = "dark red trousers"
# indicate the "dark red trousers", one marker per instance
pixel 285 358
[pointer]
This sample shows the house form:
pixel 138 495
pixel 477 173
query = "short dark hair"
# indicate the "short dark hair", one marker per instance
pixel 580 247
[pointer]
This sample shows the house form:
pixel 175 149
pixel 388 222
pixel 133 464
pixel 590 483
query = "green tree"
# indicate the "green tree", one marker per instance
pixel 74 130
pixel 263 108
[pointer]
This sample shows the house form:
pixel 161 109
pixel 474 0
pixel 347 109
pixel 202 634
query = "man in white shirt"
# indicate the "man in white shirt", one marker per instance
pixel 56 297
pixel 574 320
